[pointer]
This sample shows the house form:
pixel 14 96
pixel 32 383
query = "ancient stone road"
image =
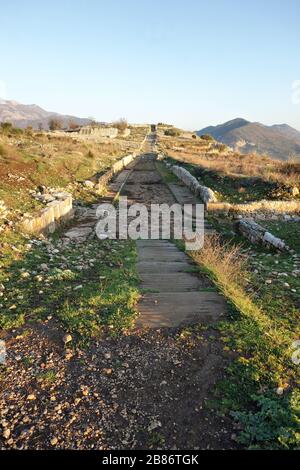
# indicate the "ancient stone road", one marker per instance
pixel 172 294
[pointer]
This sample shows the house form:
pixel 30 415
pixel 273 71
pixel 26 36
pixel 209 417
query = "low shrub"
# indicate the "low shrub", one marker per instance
pixel 121 124
pixel 7 128
pixel 3 151
pixel 90 154
pixel 172 132
pixel 207 137
pixel 268 420
pixel 55 124
pixel 222 147
pixel 273 424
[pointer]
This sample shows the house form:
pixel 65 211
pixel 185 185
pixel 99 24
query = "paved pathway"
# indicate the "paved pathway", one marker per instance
pixel 172 294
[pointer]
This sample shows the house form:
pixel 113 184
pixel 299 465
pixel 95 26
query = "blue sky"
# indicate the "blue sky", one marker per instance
pixel 192 63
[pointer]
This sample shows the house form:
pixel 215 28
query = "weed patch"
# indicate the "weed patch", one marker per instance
pixel 263 377
pixel 87 287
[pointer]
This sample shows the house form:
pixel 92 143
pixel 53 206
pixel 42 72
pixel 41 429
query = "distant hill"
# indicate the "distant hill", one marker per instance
pixel 279 141
pixel 23 115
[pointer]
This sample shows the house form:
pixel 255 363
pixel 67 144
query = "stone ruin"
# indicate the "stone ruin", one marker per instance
pixel 258 234
pixel 59 208
pixel 101 132
pixel 247 227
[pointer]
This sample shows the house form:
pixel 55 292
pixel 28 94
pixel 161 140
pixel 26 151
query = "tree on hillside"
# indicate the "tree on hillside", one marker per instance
pixel 121 124
pixel 93 121
pixel 29 130
pixel 207 137
pixel 172 132
pixel 6 126
pixel 55 124
pixel 73 125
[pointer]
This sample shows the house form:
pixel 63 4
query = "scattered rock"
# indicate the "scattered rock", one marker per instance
pixel 84 391
pixel 54 441
pixel 258 234
pixel 294 191
pixel 44 267
pixel 31 397
pixel 25 275
pixel 78 287
pixel 68 354
pixel 67 339
pixel 154 425
pixel 89 184
pixel 6 433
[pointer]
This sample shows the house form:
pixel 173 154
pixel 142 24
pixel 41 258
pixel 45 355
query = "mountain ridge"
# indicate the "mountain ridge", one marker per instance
pixel 23 115
pixel 279 141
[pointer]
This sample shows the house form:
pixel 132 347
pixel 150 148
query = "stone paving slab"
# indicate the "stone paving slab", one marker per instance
pixel 146 177
pixel 170 282
pixel 171 309
pixel 149 254
pixel 144 243
pixel 160 267
pixel 119 180
pixel 174 294
pixel 79 232
pixel 182 194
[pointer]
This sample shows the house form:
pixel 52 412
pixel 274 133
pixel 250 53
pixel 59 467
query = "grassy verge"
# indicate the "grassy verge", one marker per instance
pixel 216 158
pixel 234 189
pixel 28 160
pixel 263 378
pixel 288 231
pixel 87 287
pixel 273 277
pixel 262 289
pixel 165 173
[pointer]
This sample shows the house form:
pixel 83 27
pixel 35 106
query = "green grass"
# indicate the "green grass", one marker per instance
pixel 109 285
pixel 48 377
pixel 106 299
pixel 287 231
pixel 54 161
pixel 273 280
pixel 16 197
pixel 275 286
pixel 167 175
pixel 233 189
pixel 260 339
pixel 50 173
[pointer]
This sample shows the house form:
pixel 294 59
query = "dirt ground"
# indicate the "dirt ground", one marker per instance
pixel 143 390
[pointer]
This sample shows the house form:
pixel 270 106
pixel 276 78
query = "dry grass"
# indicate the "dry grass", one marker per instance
pixel 224 260
pixel 262 345
pixel 226 265
pixel 39 158
pixel 121 124
pixel 216 158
